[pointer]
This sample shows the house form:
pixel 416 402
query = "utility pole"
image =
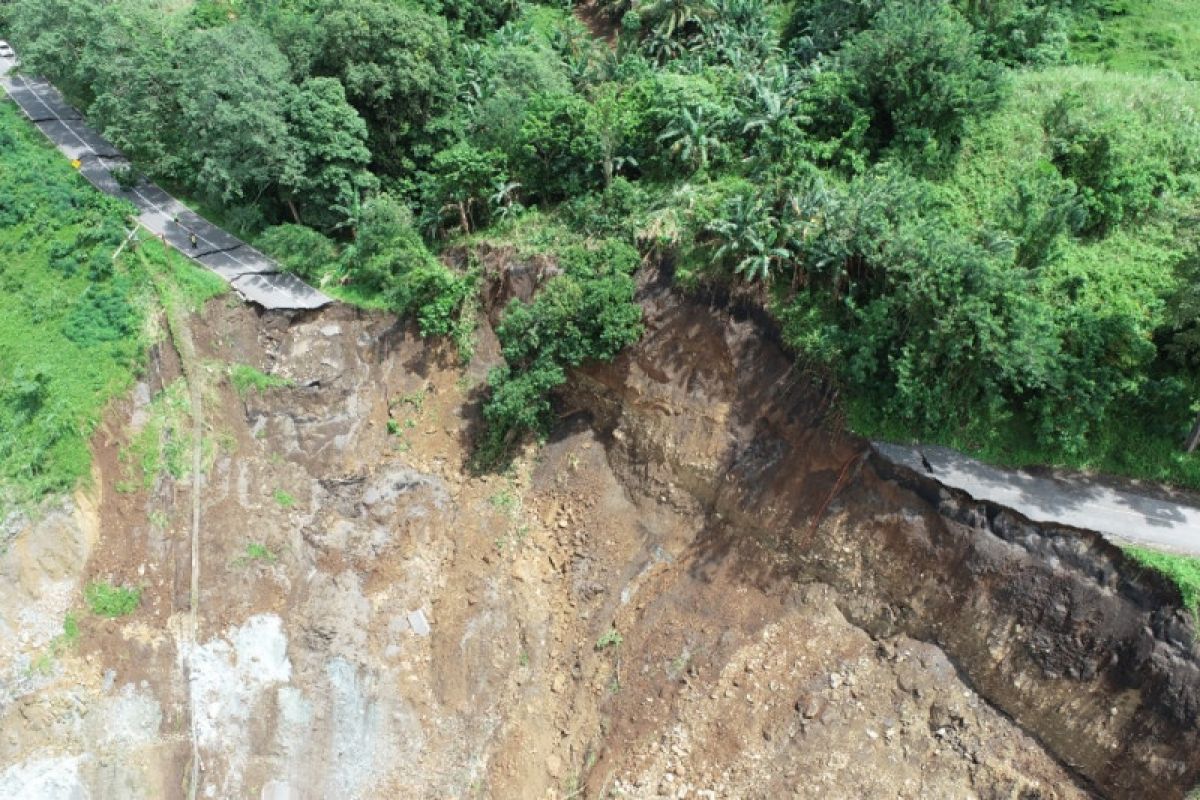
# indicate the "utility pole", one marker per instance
pixel 1193 439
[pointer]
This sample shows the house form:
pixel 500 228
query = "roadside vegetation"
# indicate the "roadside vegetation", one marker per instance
pixel 73 320
pixel 1183 571
pixel 976 218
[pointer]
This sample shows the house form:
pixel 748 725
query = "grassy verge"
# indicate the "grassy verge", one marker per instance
pixel 1124 446
pixel 1184 572
pixel 73 319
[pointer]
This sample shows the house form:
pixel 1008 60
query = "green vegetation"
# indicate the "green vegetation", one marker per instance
pixel 70 634
pixel 284 499
pixel 1141 36
pixel 1183 571
pixel 256 553
pixel 246 378
pixel 610 638
pixel 106 600
pixel 976 218
pixel 162 447
pixel 71 318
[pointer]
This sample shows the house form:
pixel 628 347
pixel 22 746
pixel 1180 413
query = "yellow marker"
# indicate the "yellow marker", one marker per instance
pixel 76 163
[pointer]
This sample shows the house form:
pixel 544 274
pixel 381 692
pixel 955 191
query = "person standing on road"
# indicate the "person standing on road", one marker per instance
pixel 192 238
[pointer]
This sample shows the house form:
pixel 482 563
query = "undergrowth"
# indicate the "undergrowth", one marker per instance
pixel 246 378
pixel 73 320
pixel 106 600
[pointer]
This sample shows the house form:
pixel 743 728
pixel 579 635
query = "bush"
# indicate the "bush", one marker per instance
pixel 1120 160
pixel 435 294
pixel 586 314
pixel 919 76
pixel 107 600
pixel 560 148
pixel 302 250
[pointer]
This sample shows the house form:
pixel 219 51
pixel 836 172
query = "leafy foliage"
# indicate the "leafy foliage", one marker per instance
pixel 1183 571
pixel 984 245
pixel 586 314
pixel 106 600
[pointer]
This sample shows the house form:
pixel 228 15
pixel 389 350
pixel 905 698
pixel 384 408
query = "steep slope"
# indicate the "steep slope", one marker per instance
pixel 697 588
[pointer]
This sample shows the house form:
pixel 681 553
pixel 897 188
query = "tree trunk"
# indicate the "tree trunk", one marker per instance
pixel 295 213
pixel 1193 439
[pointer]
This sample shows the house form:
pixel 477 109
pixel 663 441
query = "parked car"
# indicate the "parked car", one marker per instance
pixel 6 51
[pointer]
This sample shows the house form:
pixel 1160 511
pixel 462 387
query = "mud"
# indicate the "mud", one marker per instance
pixel 698 587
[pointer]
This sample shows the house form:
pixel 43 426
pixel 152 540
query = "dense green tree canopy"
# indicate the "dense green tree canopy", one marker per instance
pixel 978 238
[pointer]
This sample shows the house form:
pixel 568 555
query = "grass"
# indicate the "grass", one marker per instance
pixel 74 321
pixel 256 553
pixel 246 379
pixel 1183 571
pixel 610 638
pixel 1141 36
pixel 284 499
pixel 71 319
pixel 162 446
pixel 106 600
pixel 1122 445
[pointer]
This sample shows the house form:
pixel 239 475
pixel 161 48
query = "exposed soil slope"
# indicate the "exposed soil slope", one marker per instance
pixel 642 607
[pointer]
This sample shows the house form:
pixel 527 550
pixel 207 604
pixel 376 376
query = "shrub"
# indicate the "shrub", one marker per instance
pixel 610 638
pixel 246 378
pixel 106 600
pixel 302 250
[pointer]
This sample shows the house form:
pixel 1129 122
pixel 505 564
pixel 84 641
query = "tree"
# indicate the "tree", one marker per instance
pixel 233 87
pixel 395 62
pixel 132 60
pixel 919 75
pixel 822 26
pixel 463 182
pixel 561 150
pixel 749 237
pixel 692 140
pixel 53 37
pixel 326 172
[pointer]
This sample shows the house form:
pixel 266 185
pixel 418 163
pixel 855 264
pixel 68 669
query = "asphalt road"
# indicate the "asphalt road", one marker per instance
pixel 252 274
pixel 1125 517
pixel 1122 516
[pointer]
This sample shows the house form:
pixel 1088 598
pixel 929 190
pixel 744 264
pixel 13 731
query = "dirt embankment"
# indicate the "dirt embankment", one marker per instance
pixel 1052 626
pixel 645 606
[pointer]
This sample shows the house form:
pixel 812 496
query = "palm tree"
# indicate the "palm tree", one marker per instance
pixel 751 238
pixel 504 199
pixel 671 18
pixel 691 138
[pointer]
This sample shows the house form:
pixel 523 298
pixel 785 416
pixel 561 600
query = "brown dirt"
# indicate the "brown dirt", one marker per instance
pixel 642 607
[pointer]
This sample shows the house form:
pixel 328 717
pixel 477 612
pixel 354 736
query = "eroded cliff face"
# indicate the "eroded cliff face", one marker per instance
pixel 696 588
pixel 1051 625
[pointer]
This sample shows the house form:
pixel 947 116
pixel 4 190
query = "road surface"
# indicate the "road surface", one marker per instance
pixel 1124 517
pixel 253 275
